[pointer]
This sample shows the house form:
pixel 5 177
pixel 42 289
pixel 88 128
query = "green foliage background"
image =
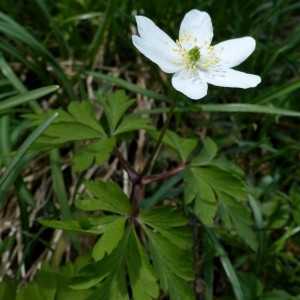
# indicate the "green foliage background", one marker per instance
pixel 225 228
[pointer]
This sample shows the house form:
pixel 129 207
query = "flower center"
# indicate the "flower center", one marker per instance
pixel 194 55
pixel 197 58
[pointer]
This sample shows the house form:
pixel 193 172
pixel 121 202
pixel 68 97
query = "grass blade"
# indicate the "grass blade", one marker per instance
pixel 231 107
pixel 26 97
pixel 281 91
pixel 13 30
pixel 249 108
pixel 226 263
pixel 129 86
pixel 21 152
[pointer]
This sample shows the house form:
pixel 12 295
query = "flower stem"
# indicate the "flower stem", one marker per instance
pixel 159 141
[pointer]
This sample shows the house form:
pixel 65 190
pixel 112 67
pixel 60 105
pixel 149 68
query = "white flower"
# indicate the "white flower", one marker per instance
pixel 192 59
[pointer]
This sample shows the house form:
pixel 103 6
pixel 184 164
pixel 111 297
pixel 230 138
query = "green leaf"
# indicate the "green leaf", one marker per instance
pixel 109 240
pixel 163 217
pixel 115 105
pixel 207 154
pixel 251 285
pixel 207 177
pixel 179 289
pixel 51 284
pixel 170 223
pixel 67 132
pixel 8 288
pixel 184 146
pixel 46 279
pixel 31 292
pixel 225 181
pixel 65 224
pixel 110 271
pixel 83 113
pixel 237 216
pixel 98 151
pixel 133 122
pixel 97 223
pixel 198 189
pixel 113 287
pixel 89 225
pixel 109 197
pixel 143 282
pixel 168 259
pixel 172 266
pixel 76 125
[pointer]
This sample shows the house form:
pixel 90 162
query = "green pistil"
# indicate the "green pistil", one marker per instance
pixel 194 54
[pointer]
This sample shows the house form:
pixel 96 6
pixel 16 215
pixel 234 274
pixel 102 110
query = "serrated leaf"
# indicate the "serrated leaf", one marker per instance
pixel 110 239
pixel 97 223
pixel 205 183
pixel 184 146
pixel 64 276
pixel 228 165
pixel 179 289
pixel 164 217
pixel 115 104
pixel 174 259
pixel 172 266
pixel 113 287
pixel 46 279
pixel 79 123
pixel 143 282
pixel 95 272
pixel 83 113
pixel 179 236
pixel 31 291
pixel 238 217
pixel 66 132
pixel 222 180
pixel 98 151
pixel 133 122
pixel 196 188
pixel 86 225
pixel 109 197
pixel 207 153
pixel 8 288
pixel 51 284
pixel 64 225
pixel 170 223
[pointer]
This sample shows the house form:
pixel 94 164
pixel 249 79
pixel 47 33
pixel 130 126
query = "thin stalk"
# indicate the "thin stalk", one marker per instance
pixel 159 141
pixel 137 185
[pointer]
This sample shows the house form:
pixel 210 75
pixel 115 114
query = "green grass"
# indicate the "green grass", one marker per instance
pixel 85 48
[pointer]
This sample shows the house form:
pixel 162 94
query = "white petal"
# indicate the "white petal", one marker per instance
pixel 167 61
pixel 198 26
pixel 235 51
pixel 190 85
pixel 157 45
pixel 232 78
